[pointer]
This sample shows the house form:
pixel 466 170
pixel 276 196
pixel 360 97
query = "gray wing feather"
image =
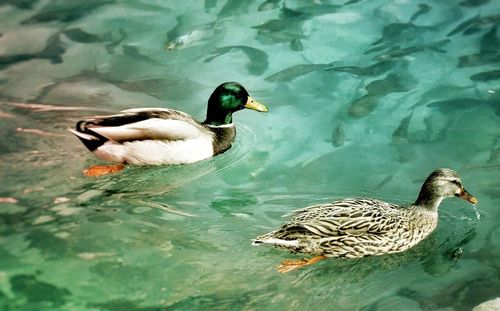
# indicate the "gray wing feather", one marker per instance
pixel 146 123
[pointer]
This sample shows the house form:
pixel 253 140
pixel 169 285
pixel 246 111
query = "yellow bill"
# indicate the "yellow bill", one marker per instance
pixel 255 105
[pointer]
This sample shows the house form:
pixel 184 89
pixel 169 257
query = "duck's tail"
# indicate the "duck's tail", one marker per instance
pixel 276 242
pixel 257 242
pixel 89 138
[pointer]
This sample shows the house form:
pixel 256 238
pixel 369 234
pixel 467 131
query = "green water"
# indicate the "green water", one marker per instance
pixel 366 98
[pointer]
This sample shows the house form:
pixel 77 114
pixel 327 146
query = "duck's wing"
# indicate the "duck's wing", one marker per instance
pixel 346 217
pixel 352 223
pixel 143 124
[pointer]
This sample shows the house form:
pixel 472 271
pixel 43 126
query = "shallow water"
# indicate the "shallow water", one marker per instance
pixel 366 98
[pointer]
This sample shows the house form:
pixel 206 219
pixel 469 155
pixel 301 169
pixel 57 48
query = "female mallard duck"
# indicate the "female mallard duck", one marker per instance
pixel 155 136
pixel 353 228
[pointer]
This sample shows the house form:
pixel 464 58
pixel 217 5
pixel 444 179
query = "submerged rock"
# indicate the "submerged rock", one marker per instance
pixel 490 305
pixel 394 303
pixel 36 291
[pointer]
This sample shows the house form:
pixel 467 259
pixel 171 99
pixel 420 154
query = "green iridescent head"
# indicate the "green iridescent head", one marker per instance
pixel 227 98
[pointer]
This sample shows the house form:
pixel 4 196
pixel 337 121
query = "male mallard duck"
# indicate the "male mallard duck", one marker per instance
pixel 155 136
pixel 353 228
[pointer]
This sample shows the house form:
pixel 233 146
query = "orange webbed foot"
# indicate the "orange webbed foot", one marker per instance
pixel 292 264
pixel 99 170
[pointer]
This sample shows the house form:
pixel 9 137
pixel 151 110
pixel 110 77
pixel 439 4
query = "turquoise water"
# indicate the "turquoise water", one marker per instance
pixel 366 98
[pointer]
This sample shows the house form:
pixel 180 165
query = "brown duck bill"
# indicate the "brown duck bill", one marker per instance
pixel 467 197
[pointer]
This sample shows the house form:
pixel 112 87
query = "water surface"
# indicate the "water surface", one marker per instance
pixel 366 98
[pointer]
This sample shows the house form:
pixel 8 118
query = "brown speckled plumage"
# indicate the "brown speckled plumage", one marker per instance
pixel 353 228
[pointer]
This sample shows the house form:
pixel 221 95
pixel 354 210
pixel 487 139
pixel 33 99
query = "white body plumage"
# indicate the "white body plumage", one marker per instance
pixel 157 152
pixel 165 136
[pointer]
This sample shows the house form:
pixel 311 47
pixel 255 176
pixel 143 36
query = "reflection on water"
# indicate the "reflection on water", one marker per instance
pixel 366 98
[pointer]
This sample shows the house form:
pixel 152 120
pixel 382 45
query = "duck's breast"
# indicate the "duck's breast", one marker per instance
pixel 414 230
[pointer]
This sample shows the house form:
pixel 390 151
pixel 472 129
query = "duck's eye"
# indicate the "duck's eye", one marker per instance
pixel 456 182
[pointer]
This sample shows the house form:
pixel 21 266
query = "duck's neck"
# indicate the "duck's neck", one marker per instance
pixel 217 118
pixel 430 204
pixel 428 200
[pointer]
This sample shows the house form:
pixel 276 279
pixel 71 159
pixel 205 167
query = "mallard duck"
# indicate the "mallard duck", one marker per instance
pixel 155 136
pixel 354 228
